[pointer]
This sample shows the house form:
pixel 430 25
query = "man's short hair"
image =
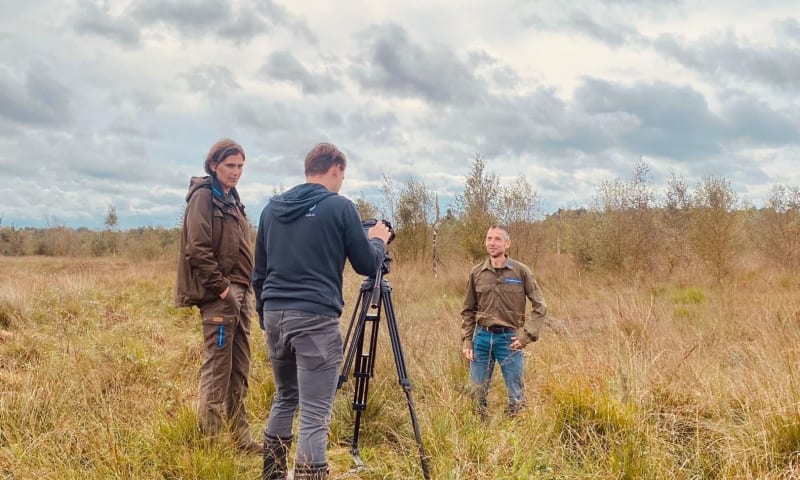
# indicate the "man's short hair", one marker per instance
pixel 322 157
pixel 502 227
pixel 220 151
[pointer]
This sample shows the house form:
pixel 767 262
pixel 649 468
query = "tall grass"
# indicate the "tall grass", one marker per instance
pixel 686 379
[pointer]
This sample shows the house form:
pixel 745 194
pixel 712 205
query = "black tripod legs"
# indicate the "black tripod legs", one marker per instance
pixel 369 312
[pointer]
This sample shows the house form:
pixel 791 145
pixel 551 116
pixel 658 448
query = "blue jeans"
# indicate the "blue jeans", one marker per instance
pixel 487 348
pixel 305 352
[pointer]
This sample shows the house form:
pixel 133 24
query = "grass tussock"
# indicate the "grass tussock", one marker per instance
pixel 684 379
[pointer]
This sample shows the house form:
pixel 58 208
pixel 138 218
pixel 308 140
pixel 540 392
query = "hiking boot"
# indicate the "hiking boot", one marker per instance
pixel 275 451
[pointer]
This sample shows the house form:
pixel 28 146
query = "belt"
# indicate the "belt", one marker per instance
pixel 497 329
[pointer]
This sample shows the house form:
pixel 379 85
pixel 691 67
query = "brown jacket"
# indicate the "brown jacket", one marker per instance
pixel 496 297
pixel 216 249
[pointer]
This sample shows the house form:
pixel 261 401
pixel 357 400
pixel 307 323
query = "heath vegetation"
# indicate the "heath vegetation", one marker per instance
pixel 670 351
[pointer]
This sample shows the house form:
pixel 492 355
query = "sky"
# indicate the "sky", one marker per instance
pixel 116 103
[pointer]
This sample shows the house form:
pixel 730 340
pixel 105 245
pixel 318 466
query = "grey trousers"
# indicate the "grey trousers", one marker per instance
pixel 305 352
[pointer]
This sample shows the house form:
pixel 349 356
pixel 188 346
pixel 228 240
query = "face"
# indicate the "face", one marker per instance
pixel 497 242
pixel 228 171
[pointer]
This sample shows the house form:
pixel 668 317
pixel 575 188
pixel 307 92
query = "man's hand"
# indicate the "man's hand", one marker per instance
pixel 224 293
pixel 515 344
pixel 380 230
pixel 468 354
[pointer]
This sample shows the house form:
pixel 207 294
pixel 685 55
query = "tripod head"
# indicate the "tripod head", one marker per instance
pixel 387 260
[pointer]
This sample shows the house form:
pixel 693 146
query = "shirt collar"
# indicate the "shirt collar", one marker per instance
pixel 487 265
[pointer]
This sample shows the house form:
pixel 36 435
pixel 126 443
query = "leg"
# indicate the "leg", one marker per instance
pixel 218 325
pixel 284 371
pixel 240 370
pixel 278 431
pixel 276 450
pixel 512 366
pixel 319 355
pixel 481 368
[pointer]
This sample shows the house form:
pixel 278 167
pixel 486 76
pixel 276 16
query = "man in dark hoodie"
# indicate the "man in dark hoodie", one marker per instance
pixel 214 271
pixel 304 237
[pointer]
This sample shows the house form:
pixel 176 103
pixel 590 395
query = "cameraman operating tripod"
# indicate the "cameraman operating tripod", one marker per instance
pixel 304 237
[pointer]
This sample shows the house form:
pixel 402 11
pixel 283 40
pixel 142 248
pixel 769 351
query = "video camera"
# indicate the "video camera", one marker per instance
pixel 367 224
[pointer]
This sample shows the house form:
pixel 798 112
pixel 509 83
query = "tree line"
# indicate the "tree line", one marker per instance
pixel 628 229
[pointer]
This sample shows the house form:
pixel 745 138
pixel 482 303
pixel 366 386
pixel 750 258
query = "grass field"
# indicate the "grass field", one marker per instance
pixel 685 379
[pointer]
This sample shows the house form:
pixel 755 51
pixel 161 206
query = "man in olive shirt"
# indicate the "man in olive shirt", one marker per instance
pixel 494 325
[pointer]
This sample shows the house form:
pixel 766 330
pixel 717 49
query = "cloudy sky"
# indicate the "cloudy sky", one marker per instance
pixel 117 102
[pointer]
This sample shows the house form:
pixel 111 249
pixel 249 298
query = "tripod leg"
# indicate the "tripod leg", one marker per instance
pixel 356 329
pixel 402 375
pixel 364 367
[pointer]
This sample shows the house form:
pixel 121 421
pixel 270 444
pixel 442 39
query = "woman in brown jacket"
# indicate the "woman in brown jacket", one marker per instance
pixel 214 270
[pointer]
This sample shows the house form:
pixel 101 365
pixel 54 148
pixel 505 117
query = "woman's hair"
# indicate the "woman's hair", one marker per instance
pixel 322 157
pixel 220 151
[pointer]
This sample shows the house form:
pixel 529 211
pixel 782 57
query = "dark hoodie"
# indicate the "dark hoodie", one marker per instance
pixel 304 237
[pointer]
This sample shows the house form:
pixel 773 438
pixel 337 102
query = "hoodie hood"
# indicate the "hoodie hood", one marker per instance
pixel 293 204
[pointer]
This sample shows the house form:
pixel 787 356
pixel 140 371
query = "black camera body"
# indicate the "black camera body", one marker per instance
pixel 367 224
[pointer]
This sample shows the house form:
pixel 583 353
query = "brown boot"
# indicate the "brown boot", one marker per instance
pixel 317 471
pixel 275 451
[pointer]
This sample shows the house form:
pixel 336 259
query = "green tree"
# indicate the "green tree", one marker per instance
pixel 714 233
pixel 478 207
pixel 779 225
pixel 413 219
pixel 624 238
pixel 366 209
pixel 520 207
pixel 676 211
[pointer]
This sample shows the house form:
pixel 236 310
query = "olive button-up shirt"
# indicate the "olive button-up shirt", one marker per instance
pixel 496 297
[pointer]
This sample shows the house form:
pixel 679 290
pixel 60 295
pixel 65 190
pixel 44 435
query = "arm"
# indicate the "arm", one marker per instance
pixel 538 310
pixel 199 249
pixel 468 312
pixel 365 255
pixel 260 266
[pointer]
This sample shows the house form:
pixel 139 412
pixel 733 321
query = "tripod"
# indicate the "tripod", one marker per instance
pixel 375 294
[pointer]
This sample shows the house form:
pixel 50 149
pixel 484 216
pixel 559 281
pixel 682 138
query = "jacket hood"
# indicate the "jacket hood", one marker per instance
pixel 196 183
pixel 211 182
pixel 293 204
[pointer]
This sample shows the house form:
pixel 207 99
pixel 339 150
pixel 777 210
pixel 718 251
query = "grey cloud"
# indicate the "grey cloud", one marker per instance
pixel 280 16
pixel 282 65
pixel 601 24
pixel 373 126
pixel 749 118
pixel 134 100
pixel 37 99
pixel 195 15
pixel 666 113
pixel 239 24
pixel 395 65
pixel 497 73
pixel 282 129
pixel 610 121
pixel 213 80
pixel 610 33
pixel 777 65
pixel 789 28
pixel 92 19
pixel 132 128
